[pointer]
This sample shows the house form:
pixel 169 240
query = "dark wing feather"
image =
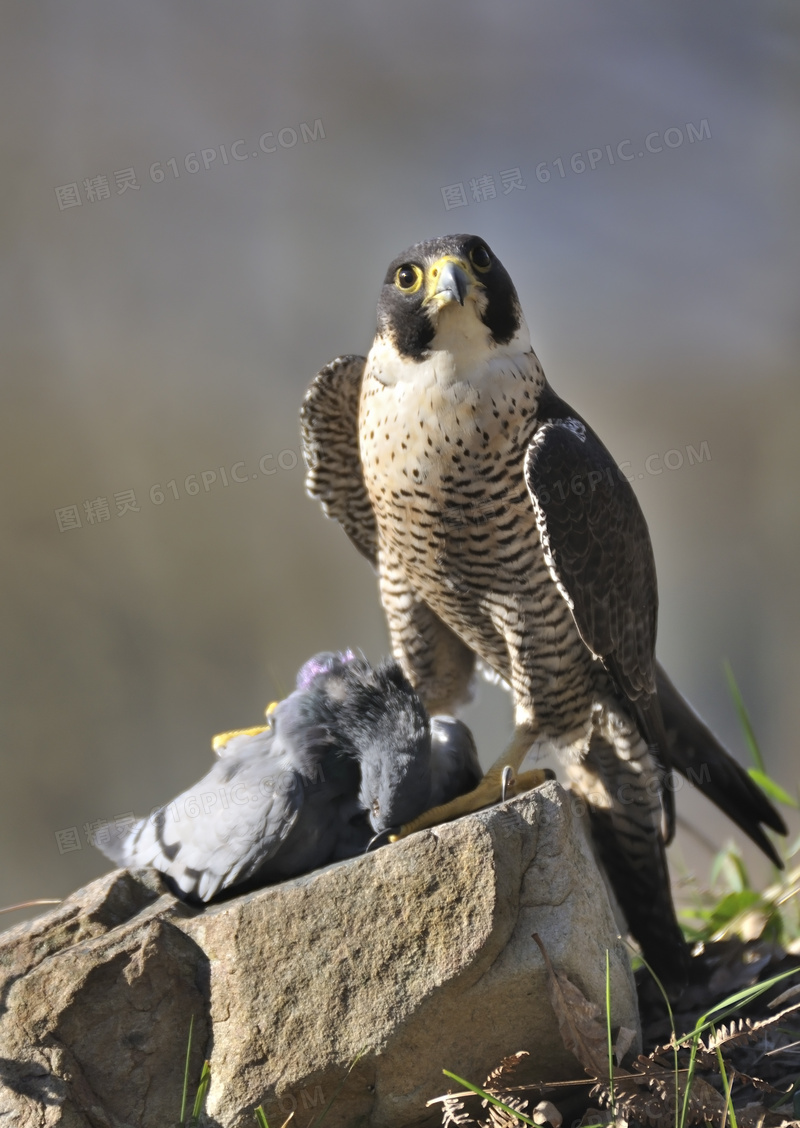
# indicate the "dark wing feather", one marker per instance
pixel 329 429
pixel 597 548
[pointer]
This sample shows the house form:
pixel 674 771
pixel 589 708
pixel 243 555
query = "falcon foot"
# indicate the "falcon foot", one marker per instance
pixel 500 782
pixel 517 784
pixel 495 787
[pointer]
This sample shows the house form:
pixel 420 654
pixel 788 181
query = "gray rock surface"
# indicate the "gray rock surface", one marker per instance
pixel 417 957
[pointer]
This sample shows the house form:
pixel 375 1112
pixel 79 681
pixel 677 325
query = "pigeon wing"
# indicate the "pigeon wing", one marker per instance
pixel 219 832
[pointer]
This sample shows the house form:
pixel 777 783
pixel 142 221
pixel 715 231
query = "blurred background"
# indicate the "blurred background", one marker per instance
pixel 199 204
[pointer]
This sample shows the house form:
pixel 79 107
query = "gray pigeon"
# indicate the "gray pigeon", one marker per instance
pixel 350 754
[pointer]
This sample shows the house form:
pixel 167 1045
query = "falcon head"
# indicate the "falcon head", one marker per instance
pixel 451 295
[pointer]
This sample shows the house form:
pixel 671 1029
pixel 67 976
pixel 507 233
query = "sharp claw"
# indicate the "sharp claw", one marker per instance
pixel 507 781
pixel 381 839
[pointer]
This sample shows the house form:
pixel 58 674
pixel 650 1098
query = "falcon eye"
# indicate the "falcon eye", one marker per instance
pixel 408 278
pixel 480 258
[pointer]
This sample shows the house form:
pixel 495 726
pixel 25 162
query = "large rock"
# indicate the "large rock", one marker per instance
pixel 418 957
pixel 95 1000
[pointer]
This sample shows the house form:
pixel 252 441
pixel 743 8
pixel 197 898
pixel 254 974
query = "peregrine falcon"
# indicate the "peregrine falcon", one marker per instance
pixel 502 530
pixel 350 754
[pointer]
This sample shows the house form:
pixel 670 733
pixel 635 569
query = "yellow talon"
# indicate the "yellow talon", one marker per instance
pixel 525 781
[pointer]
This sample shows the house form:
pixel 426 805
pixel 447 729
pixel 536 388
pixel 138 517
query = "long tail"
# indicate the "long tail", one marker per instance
pixel 622 800
pixel 697 754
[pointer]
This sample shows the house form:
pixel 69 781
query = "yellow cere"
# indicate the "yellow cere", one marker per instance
pixel 435 269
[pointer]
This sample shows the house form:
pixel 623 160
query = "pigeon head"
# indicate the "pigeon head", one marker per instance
pixel 389 729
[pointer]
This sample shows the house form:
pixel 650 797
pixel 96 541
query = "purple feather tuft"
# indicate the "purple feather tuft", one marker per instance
pixel 321 664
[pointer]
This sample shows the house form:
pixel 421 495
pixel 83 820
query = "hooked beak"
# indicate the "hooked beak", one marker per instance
pixel 452 283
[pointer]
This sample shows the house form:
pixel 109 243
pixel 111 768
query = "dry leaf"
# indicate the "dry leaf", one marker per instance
pixel 756 1116
pixel 504 1070
pixel 625 1039
pixel 499 1118
pixel 790 993
pixel 577 1019
pixel 453 1112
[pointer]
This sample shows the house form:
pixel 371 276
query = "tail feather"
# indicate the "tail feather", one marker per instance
pixel 697 754
pixel 651 725
pixel 624 817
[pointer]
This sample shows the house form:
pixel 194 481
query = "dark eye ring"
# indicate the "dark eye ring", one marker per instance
pixel 480 258
pixel 408 278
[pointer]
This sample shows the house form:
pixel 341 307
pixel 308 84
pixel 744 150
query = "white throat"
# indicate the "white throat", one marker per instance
pixel 462 351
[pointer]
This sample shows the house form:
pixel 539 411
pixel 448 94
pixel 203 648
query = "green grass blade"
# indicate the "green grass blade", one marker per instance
pixel 744 718
pixel 665 997
pixel 743 877
pixel 608 1039
pixel 186 1073
pixel 689 1078
pixel 730 908
pixel 720 863
pixel 488 1097
pixel 727 1087
pixel 706 1022
pixel 732 1003
pixel 202 1089
pixel 772 789
pixel 261 1117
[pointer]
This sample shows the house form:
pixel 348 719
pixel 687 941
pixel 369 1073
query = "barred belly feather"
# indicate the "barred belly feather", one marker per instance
pixel 445 475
